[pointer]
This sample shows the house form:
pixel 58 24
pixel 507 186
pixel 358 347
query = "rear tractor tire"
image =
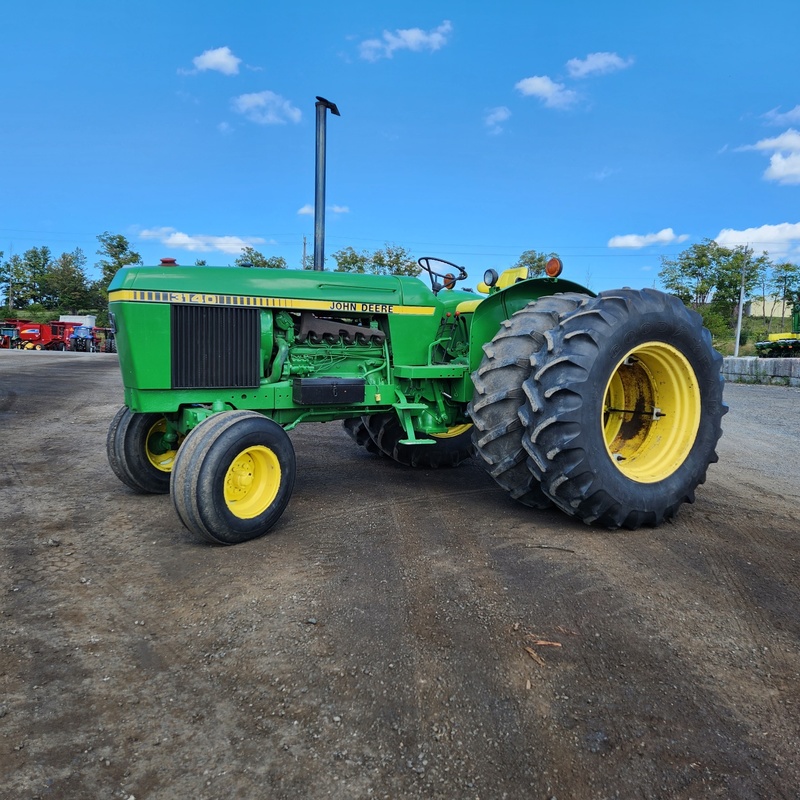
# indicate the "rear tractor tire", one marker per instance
pixel 137 452
pixel 451 449
pixel 623 409
pixel 233 477
pixel 356 429
pixel 507 362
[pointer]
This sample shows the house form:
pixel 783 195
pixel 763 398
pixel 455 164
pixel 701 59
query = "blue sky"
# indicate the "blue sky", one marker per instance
pixel 612 133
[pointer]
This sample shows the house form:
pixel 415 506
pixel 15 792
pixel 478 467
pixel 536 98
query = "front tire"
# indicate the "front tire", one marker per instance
pixel 623 410
pixel 233 477
pixel 138 453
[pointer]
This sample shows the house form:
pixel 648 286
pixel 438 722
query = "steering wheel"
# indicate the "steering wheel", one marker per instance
pixel 448 278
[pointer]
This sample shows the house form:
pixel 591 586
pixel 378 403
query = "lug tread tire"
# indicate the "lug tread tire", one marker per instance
pixel 200 467
pixel 357 430
pixel 563 432
pixel 386 431
pixel 498 396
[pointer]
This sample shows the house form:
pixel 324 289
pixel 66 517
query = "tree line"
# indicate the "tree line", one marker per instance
pixel 710 278
pixel 40 286
pixel 706 276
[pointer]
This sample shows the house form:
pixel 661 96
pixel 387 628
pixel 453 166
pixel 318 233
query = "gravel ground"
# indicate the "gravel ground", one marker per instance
pixel 400 633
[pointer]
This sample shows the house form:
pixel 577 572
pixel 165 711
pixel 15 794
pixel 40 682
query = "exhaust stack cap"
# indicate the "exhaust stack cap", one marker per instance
pixel 169 262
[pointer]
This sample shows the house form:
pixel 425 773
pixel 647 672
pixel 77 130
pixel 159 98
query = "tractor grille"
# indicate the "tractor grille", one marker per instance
pixel 215 347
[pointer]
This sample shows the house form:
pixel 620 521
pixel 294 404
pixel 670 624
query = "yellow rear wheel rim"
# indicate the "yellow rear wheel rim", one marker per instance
pixel 451 433
pixel 252 482
pixel 651 413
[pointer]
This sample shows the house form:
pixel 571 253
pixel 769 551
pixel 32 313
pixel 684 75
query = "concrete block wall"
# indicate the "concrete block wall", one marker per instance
pixel 776 371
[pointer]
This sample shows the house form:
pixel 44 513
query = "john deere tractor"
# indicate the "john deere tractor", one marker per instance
pixel 783 345
pixel 607 406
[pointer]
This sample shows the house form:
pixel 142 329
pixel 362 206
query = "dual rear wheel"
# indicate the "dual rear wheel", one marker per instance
pixel 609 407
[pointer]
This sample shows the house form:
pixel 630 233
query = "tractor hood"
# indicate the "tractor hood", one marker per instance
pixel 278 288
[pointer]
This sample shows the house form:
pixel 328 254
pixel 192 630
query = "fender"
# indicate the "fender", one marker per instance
pixel 490 313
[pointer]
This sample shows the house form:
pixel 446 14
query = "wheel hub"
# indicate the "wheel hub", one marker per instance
pixel 651 412
pixel 252 482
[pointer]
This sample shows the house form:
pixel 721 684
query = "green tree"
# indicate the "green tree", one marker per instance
pixel 6 285
pixel 64 285
pixel 735 267
pixel 710 274
pixel 12 277
pixel 97 298
pixel 118 254
pixel 201 262
pixel 534 262
pixel 390 260
pixel 692 275
pixel 251 257
pixel 23 278
pixel 784 286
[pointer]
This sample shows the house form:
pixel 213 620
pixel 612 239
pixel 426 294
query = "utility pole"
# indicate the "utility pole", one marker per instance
pixel 783 301
pixel 745 262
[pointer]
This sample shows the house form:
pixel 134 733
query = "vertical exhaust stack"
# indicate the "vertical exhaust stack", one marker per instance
pixel 322 106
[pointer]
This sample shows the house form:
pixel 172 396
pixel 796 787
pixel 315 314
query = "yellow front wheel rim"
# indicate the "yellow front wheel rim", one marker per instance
pixel 252 482
pixel 165 459
pixel 651 412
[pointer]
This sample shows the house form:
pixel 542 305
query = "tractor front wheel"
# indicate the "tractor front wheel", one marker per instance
pixel 623 410
pixel 139 452
pixel 233 477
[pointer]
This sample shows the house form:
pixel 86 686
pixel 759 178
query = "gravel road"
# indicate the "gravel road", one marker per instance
pixel 399 634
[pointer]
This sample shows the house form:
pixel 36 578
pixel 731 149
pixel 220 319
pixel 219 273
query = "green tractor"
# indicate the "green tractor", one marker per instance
pixel 783 345
pixel 607 406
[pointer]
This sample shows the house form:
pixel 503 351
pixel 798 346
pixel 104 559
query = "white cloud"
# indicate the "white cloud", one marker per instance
pixel 597 64
pixel 774 117
pixel 783 169
pixel 220 60
pixel 308 210
pixel 784 163
pixel 552 94
pixel 780 241
pixel 603 174
pixel 495 117
pixel 170 237
pixel 414 39
pixel 266 108
pixel 635 240
pixel 224 127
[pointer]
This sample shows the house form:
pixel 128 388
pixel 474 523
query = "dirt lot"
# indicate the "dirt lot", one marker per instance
pixel 390 637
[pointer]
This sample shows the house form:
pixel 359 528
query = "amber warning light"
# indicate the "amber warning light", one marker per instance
pixel 553 267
